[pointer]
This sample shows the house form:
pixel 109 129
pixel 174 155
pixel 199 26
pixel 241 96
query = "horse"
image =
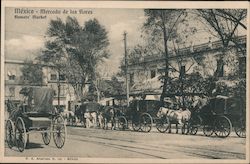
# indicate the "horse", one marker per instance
pixel 69 116
pixel 79 116
pixel 91 119
pixel 107 115
pixel 181 117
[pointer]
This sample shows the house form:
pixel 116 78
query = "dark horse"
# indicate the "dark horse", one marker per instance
pixel 79 114
pixel 105 116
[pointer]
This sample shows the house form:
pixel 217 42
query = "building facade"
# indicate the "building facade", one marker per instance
pixel 15 81
pixel 205 58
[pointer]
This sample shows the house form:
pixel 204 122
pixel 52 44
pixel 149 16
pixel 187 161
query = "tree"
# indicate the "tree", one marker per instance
pixel 32 73
pixel 224 23
pixel 161 25
pixel 112 87
pixel 76 51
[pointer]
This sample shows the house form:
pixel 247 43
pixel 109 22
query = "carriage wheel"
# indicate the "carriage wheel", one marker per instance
pixel 10 135
pixel 194 124
pixel 122 123
pixel 146 122
pixel 20 134
pixel 240 128
pixel 162 125
pixel 208 130
pixel 136 124
pixel 59 131
pixel 46 136
pixel 222 126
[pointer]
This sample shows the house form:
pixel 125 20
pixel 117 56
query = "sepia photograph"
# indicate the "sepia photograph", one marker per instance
pixel 124 82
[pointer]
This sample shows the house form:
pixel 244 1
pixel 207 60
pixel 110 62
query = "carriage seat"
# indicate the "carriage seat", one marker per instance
pixel 37 114
pixel 37 120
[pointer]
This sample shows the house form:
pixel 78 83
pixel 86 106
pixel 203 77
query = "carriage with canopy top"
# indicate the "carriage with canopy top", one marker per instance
pixel 35 115
pixel 141 115
pixel 220 116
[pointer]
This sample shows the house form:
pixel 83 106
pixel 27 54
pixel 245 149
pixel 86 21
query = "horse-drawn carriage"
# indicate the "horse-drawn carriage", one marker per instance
pixel 37 115
pixel 219 116
pixel 90 110
pixel 141 114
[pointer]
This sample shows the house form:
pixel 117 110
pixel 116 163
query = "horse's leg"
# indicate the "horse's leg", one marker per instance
pixel 100 123
pixel 176 125
pixel 169 129
pixel 28 139
pixel 105 124
pixel 185 126
pixel 88 123
pixel 183 129
pixel 112 123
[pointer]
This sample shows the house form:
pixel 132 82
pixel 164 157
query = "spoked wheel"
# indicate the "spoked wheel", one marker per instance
pixel 59 131
pixel 122 123
pixel 20 134
pixel 240 128
pixel 10 135
pixel 146 122
pixel 136 124
pixel 46 136
pixel 208 130
pixel 162 124
pixel 222 126
pixel 194 124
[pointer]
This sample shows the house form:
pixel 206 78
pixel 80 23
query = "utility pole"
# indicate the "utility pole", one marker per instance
pixel 126 67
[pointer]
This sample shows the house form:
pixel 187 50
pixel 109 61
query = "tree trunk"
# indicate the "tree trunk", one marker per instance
pixel 164 90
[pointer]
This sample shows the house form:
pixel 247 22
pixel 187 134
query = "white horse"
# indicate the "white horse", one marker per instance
pixel 175 116
pixel 91 119
pixel 101 120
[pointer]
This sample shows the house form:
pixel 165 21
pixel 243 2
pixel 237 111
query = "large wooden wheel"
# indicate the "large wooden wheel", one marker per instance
pixel 20 134
pixel 46 135
pixel 194 124
pixel 59 131
pixel 162 124
pixel 9 133
pixel 208 129
pixel 222 126
pixel 136 123
pixel 146 122
pixel 122 123
pixel 240 128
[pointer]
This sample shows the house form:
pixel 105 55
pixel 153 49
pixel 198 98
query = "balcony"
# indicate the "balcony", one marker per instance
pixel 188 52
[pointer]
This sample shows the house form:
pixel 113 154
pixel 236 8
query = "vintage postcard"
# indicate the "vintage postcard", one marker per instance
pixel 124 82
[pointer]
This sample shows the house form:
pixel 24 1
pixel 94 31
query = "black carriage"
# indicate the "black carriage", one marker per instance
pixel 220 116
pixel 91 107
pixel 37 115
pixel 142 115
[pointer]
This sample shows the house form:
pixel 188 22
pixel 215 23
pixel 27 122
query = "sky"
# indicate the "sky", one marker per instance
pixel 25 37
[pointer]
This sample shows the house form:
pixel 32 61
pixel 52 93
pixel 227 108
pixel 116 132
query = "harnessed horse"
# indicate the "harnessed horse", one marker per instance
pixel 181 116
pixel 107 115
